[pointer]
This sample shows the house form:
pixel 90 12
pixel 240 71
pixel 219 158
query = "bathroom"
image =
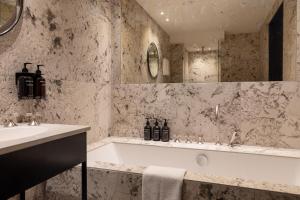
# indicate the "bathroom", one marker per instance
pixel 208 68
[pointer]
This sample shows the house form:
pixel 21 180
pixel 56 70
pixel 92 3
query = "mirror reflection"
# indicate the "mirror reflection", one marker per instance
pixel 10 13
pixel 209 40
pixel 153 60
pixel 7 11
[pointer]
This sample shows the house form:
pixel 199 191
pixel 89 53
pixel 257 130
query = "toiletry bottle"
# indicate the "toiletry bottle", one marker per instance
pixel 39 84
pixel 147 131
pixel 156 131
pixel 25 84
pixel 165 132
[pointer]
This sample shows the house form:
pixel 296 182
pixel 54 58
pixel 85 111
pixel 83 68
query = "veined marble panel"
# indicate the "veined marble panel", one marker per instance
pixel 291 71
pixel 203 67
pixel 298 43
pixel 266 114
pixel 240 58
pixel 119 185
pixel 177 52
pixel 73 40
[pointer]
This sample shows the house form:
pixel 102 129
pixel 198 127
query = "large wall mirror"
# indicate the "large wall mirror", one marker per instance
pixel 210 40
pixel 10 13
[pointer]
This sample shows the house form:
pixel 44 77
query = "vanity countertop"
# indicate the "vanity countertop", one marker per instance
pixel 191 176
pixel 44 133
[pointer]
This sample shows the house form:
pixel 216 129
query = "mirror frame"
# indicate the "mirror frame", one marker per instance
pixel 8 26
pixel 152 44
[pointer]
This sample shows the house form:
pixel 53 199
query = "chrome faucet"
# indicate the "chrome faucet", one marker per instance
pixel 217 110
pixel 9 123
pixel 235 139
pixel 32 121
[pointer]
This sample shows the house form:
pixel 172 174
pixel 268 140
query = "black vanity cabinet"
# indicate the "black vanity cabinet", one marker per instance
pixel 28 167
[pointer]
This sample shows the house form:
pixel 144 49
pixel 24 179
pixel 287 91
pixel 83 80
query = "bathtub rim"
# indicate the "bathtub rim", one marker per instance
pixel 243 149
pixel 198 177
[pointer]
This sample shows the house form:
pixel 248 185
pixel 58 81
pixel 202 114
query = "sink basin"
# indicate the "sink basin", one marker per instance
pixel 20 132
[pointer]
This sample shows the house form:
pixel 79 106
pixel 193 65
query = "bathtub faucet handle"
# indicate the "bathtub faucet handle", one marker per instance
pixel 201 140
pixel 235 139
pixel 175 139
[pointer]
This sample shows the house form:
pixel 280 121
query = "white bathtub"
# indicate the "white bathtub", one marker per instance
pixel 277 166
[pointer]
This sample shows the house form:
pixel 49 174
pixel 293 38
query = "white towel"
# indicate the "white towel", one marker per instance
pixel 162 183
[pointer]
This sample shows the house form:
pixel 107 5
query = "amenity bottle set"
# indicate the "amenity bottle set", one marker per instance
pixel 157 133
pixel 31 85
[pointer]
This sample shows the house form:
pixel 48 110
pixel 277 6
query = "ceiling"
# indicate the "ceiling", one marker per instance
pixel 197 21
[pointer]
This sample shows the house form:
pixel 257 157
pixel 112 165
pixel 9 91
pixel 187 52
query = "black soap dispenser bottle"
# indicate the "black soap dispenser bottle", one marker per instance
pixel 156 131
pixel 147 131
pixel 25 83
pixel 39 84
pixel 165 133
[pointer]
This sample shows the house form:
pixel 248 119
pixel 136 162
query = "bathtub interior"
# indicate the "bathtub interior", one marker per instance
pixel 273 169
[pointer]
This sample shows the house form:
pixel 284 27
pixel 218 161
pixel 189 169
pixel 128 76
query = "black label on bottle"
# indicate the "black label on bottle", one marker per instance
pixel 147 134
pixel 156 134
pixel 165 135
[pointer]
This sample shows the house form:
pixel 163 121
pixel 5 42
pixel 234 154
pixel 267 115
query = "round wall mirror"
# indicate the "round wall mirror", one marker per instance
pixel 153 60
pixel 10 13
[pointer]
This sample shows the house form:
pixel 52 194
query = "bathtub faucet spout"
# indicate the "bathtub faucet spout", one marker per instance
pixel 217 110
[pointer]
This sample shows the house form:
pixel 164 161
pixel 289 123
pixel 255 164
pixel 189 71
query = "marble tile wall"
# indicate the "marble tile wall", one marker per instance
pixel 264 54
pixel 116 61
pixel 298 43
pixel 289 38
pixel 203 67
pixel 138 31
pixel 73 40
pixel 290 47
pixel 177 63
pixel 265 113
pixel 239 57
pixel 116 185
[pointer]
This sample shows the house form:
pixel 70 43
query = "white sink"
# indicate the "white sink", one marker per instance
pixel 20 132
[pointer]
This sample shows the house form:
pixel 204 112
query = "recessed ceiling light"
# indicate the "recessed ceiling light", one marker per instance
pixel 167 20
pixel 162 13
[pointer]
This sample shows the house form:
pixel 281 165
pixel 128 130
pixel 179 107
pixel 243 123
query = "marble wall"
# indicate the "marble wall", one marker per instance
pixel 138 30
pixel 239 57
pixel 290 68
pixel 265 113
pixel 289 38
pixel 120 185
pixel 73 40
pixel 202 67
pixel 298 43
pixel 177 63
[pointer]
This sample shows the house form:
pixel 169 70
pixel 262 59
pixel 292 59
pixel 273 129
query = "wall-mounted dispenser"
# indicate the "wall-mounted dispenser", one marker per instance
pixel 30 85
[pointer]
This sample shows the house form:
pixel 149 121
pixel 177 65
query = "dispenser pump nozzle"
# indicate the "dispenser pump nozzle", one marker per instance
pixel 166 123
pixel 25 70
pixel 38 71
pixel 148 122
